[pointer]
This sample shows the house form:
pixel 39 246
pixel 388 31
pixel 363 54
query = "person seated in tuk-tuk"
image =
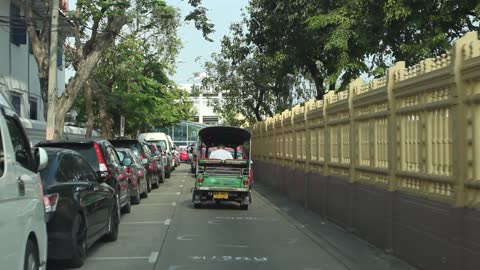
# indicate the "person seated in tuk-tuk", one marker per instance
pixel 220 153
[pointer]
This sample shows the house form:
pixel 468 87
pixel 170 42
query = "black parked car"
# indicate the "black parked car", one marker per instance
pixel 84 208
pixel 141 151
pixel 103 158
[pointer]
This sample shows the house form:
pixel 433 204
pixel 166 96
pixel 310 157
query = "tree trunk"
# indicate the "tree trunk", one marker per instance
pixel 87 65
pixel 317 78
pixel 105 119
pixel 89 110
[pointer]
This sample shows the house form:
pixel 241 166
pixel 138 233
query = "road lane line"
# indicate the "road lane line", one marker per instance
pixel 180 186
pixel 167 222
pixel 156 204
pixel 153 257
pixel 174 204
pixel 118 258
pixel 145 222
pixel 232 246
pixel 165 193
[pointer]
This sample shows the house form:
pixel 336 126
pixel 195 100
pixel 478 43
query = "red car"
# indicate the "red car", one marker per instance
pixel 183 153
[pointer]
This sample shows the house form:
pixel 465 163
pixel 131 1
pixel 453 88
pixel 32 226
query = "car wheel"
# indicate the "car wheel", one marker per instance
pixel 192 170
pixel 155 184
pixel 31 261
pixel 162 179
pixel 149 184
pixel 128 207
pixel 168 173
pixel 113 222
pixel 197 205
pixel 145 191
pixel 79 242
pixel 244 206
pixel 136 199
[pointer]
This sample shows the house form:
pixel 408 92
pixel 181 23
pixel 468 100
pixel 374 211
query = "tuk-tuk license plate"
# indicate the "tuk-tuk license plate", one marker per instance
pixel 220 195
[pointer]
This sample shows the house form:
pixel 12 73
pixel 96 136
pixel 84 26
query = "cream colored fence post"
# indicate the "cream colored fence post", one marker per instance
pixel 459 114
pixel 394 71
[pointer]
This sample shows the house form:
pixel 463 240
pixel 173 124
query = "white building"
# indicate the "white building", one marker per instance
pixel 203 104
pixel 19 72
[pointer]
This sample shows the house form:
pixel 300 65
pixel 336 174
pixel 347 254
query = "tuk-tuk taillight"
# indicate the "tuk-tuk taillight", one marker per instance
pixel 200 180
pixel 245 181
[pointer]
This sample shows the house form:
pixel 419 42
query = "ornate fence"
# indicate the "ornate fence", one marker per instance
pixel 414 132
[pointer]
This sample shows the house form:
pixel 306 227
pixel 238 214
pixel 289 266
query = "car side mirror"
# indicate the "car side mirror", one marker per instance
pixel 127 161
pixel 41 159
pixel 144 161
pixel 157 153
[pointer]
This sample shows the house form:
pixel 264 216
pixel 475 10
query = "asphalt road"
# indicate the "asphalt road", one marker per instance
pixel 165 232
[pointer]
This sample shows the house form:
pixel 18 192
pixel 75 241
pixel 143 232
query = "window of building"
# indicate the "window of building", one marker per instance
pixel 18 29
pixel 33 108
pixel 210 120
pixel 16 100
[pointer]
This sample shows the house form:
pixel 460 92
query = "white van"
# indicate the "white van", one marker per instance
pixel 162 139
pixel 23 214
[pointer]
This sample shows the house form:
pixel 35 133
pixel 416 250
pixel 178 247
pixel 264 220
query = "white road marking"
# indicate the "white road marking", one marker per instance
pixel 145 222
pixel 153 257
pixel 180 186
pixel 228 258
pixel 156 204
pixel 174 203
pixel 117 258
pixel 186 237
pixel 167 222
pixel 292 241
pixel 213 222
pixel 232 246
pixel 165 193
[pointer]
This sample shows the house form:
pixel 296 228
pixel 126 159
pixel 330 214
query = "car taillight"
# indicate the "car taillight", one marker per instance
pixel 142 157
pixel 140 173
pixel 128 170
pixel 102 165
pixel 50 201
pixel 200 181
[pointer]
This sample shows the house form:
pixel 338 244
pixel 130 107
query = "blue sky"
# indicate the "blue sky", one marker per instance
pixel 221 13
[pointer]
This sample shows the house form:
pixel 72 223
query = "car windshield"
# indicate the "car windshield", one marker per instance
pixel 161 142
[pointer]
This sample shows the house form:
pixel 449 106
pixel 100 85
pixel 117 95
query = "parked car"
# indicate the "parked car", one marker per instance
pixel 23 230
pixel 136 173
pixel 103 158
pixel 176 155
pixel 183 153
pixel 83 207
pixel 161 138
pixel 141 151
pixel 158 160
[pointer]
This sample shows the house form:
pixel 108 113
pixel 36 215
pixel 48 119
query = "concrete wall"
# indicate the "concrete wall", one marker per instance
pixel 395 161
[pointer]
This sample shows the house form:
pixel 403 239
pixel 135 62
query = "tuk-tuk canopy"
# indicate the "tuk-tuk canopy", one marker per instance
pixel 228 136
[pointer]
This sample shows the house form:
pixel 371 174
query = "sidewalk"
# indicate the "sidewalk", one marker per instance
pixel 355 253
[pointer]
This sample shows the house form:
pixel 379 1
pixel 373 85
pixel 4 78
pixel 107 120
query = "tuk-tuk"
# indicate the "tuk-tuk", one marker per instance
pixel 223 179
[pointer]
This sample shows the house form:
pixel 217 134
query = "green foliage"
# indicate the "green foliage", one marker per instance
pixel 132 75
pixel 251 82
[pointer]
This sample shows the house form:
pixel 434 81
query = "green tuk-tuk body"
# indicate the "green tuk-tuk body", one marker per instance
pixel 223 180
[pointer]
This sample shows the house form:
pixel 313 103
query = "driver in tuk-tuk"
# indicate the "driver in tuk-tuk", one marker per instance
pixel 220 153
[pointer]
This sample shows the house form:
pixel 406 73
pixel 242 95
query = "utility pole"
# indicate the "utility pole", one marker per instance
pixel 52 72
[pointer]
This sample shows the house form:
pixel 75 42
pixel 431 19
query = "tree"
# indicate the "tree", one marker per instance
pixel 95 25
pixel 335 41
pixel 407 30
pixel 252 84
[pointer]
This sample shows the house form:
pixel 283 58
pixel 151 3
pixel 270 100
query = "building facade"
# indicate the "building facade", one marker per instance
pixel 203 103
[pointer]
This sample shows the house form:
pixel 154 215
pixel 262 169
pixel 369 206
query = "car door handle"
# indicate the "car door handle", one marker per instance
pixel 21 187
